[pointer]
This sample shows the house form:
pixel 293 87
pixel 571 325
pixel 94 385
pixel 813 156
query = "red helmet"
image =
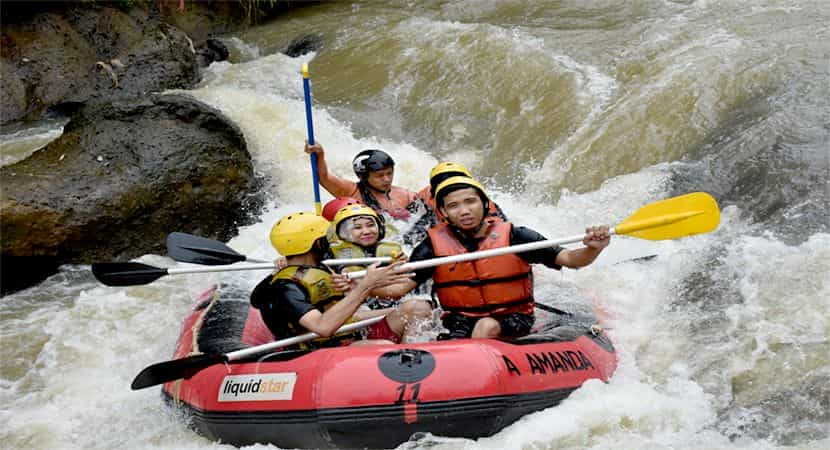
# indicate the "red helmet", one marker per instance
pixel 335 205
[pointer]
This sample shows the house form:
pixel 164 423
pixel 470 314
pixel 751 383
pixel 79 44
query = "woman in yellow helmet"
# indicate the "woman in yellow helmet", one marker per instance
pixel 302 295
pixel 357 231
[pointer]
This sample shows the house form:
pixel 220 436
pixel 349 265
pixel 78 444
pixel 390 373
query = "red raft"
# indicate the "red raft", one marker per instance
pixel 376 396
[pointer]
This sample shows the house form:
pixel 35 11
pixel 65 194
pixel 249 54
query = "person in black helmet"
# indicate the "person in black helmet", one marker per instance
pixel 375 171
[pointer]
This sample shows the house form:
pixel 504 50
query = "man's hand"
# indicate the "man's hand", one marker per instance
pixel 597 237
pixel 342 283
pixel 377 277
pixel 316 148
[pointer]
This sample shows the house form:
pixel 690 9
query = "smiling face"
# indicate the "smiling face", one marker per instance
pixel 381 180
pixel 364 231
pixel 464 209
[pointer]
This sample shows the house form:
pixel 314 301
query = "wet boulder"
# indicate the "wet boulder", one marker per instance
pixel 56 57
pixel 303 44
pixel 212 51
pixel 120 178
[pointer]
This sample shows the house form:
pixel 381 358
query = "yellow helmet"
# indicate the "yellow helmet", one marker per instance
pixel 296 233
pixel 445 170
pixel 444 188
pixel 349 211
pixel 448 167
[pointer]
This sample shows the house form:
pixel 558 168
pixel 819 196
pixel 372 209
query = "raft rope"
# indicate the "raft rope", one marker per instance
pixel 197 325
pixel 194 344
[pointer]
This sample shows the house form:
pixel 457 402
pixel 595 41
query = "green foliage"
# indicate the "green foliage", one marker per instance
pixel 253 9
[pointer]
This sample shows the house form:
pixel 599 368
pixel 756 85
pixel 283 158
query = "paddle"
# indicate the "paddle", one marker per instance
pixel 198 250
pixel 133 273
pixel 307 92
pixel 665 219
pixel 190 365
pixel 188 248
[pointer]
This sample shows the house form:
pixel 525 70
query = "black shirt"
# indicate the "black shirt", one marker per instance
pixel 281 303
pixel 518 235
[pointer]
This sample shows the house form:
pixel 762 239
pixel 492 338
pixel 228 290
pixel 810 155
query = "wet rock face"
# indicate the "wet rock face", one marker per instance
pixel 120 178
pixel 53 58
pixel 214 50
pixel 303 44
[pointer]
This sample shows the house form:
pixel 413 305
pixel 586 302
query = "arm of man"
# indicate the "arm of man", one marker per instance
pixel 393 291
pixel 596 239
pixel 422 252
pixel 546 256
pixel 326 324
pixel 336 186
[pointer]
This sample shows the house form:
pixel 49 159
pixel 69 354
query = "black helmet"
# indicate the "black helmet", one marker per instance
pixel 370 161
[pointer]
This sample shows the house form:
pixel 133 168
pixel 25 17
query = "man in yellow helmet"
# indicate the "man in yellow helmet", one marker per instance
pixel 489 297
pixel 301 296
pixel 432 216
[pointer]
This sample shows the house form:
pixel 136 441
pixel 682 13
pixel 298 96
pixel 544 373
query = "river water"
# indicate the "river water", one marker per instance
pixel 572 114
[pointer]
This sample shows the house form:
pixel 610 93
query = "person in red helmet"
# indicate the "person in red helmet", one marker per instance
pixel 375 170
pixel 331 208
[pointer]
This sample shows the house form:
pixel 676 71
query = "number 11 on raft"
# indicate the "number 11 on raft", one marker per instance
pixel 414 390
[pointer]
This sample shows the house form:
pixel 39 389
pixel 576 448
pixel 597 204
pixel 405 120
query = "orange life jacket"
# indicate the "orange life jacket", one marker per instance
pixel 497 285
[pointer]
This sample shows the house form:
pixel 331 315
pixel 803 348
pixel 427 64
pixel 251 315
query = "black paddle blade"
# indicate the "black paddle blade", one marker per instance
pixel 126 274
pixel 188 248
pixel 175 369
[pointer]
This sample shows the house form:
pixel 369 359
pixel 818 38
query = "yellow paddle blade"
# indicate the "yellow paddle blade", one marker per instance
pixel 672 218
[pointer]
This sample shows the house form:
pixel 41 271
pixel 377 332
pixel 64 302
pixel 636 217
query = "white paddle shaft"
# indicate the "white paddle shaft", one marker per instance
pixel 270 265
pixel 482 254
pixel 244 353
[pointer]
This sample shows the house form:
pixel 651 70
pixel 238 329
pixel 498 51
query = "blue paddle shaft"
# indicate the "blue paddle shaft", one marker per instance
pixel 307 91
pixel 310 126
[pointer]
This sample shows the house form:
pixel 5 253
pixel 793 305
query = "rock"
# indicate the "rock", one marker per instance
pixel 303 44
pixel 54 57
pixel 214 50
pixel 120 178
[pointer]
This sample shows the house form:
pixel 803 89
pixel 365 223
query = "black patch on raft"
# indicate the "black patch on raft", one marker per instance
pixel 222 326
pixel 406 365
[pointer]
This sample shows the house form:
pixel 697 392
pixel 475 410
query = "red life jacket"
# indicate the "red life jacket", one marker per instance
pixel 490 286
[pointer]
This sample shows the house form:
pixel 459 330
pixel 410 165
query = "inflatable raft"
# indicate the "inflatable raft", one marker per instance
pixel 376 396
